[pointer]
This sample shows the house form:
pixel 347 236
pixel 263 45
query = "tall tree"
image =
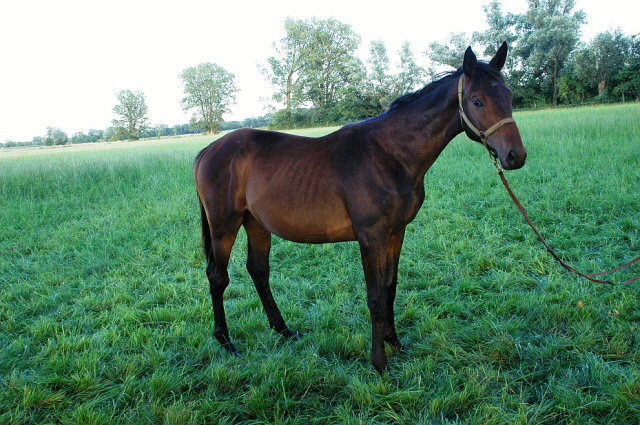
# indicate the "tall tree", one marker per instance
pixel 411 75
pixel 548 33
pixel 55 136
pixel 210 90
pixel 380 78
pixel 610 50
pixel 311 62
pixel 449 54
pixel 331 44
pixel 501 29
pixel 387 86
pixel 578 81
pixel 132 109
pixel 629 76
pixel 284 70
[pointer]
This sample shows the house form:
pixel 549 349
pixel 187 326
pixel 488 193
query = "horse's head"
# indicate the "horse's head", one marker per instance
pixel 485 109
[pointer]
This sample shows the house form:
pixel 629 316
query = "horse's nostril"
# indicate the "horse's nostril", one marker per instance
pixel 511 157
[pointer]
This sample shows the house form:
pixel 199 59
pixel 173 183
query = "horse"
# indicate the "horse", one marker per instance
pixel 364 182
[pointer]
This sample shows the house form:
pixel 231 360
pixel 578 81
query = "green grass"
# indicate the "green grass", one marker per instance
pixel 105 316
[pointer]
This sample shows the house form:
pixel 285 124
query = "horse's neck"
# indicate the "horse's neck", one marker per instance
pixel 420 131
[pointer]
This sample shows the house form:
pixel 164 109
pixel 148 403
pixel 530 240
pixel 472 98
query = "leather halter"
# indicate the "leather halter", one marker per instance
pixel 483 135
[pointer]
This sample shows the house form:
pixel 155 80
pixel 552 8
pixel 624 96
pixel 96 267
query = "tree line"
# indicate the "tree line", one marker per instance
pixel 548 64
pixel 318 80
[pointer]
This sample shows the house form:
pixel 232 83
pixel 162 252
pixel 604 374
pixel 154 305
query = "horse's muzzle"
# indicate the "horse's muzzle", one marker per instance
pixel 514 159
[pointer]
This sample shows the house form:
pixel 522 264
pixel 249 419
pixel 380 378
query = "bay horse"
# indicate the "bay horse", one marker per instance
pixel 363 182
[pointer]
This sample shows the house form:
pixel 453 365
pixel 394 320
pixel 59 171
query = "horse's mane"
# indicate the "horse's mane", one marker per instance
pixel 408 98
pixel 439 79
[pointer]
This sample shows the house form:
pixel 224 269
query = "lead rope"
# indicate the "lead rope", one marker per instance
pixel 484 135
pixel 589 276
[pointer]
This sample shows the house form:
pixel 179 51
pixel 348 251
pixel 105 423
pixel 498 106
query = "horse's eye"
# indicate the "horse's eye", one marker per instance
pixel 476 103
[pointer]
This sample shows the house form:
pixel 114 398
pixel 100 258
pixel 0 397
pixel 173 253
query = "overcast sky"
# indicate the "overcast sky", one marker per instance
pixel 63 61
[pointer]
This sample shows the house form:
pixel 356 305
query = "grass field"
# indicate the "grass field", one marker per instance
pixel 105 316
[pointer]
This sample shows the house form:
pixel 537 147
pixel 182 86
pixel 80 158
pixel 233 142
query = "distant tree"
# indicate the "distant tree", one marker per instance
pixel 354 100
pixel 502 27
pixel 610 50
pixel 629 76
pixel 578 82
pixel 132 110
pixel 449 54
pixel 157 131
pixel 285 69
pixel 210 90
pixel 55 136
pixel 79 137
pixel 37 141
pixel 379 61
pixel 327 60
pixel 548 33
pixel 312 63
pixel 115 133
pixel 411 76
pixel 385 85
pixel 95 135
pixel 180 129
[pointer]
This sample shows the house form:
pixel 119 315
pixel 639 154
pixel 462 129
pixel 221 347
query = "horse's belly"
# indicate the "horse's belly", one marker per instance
pixel 311 223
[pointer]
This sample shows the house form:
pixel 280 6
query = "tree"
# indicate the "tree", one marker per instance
pixel 547 34
pixel 449 54
pixel 578 81
pixel 501 28
pixel 629 76
pixel 411 75
pixel 314 67
pixel 55 136
pixel 386 86
pixel 327 61
pixel 132 110
pixel 37 141
pixel 79 137
pixel 285 69
pixel 609 53
pixel 95 135
pixel 210 90
pixel 382 85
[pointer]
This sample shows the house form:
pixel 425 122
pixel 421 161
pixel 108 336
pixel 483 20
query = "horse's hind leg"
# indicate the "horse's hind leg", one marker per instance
pixel 218 275
pixel 259 245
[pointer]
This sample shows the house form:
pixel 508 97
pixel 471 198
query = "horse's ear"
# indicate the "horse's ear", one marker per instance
pixel 500 58
pixel 469 64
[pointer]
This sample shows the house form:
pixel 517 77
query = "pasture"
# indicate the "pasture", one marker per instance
pixel 105 315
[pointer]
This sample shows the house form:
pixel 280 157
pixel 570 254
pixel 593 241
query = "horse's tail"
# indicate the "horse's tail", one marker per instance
pixel 206 230
pixel 206 233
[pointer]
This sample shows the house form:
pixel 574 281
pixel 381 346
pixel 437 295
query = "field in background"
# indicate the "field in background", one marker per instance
pixel 182 140
pixel 105 316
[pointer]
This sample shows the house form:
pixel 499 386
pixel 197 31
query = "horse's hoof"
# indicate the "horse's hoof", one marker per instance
pixel 231 349
pixel 289 334
pixel 397 346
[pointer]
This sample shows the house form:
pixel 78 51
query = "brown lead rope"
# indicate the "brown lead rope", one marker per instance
pixel 589 276
pixel 483 135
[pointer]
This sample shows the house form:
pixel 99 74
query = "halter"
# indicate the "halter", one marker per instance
pixel 483 135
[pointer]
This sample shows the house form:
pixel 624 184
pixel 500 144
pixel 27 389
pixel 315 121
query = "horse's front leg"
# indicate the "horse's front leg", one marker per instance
pixel 393 248
pixel 380 263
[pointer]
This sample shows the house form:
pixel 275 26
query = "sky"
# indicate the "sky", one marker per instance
pixel 63 61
